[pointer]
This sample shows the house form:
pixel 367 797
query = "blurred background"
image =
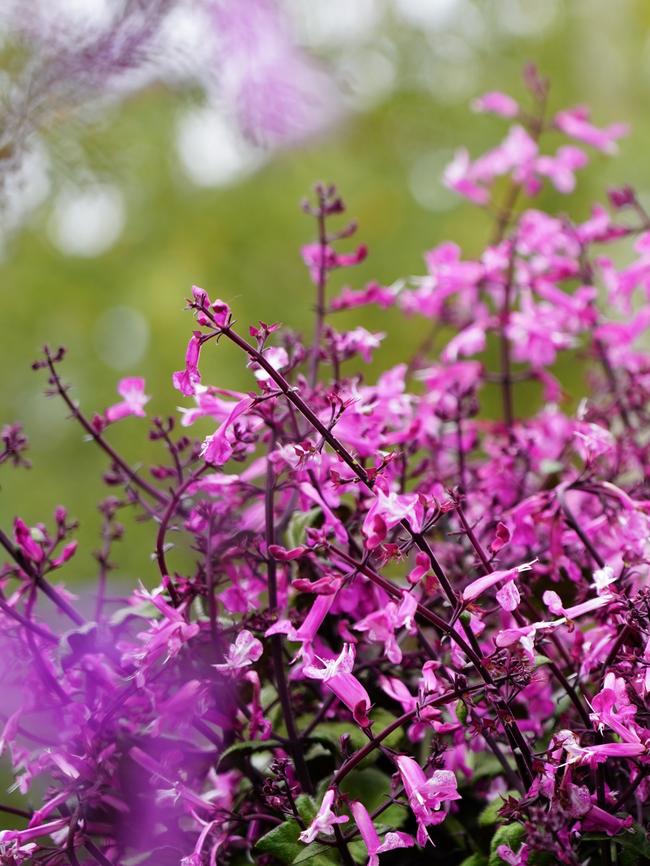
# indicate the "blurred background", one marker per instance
pixel 150 145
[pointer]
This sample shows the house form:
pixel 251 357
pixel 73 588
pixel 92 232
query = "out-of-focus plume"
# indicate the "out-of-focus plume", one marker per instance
pixel 278 94
pixel 65 63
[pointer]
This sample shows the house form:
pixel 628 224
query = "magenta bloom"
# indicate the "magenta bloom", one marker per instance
pixel 187 380
pixel 133 400
pixel 575 123
pixel 373 843
pixel 324 821
pixel 218 448
pixel 496 102
pixel 242 653
pixel 426 796
pixel 349 691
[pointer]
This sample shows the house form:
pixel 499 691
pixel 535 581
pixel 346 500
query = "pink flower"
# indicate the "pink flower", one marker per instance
pixel 501 537
pixel 560 168
pixel 134 399
pixel 422 567
pixel 308 630
pixel 25 540
pixel 349 690
pixel 243 652
pixel 277 357
pixel 318 258
pixel 324 820
pixel 217 448
pixel 496 102
pixel 592 441
pixel 574 122
pixel 373 293
pixel 278 94
pixel 22 836
pixel 387 511
pixel 343 664
pixel 477 587
pixel 467 342
pixel 508 856
pixel 358 341
pixel 599 820
pixel 186 380
pixel 612 707
pixel 554 603
pixel 67 552
pixel 381 624
pixel 370 837
pixel 283 555
pixel 597 754
pixel 515 155
pixel 426 796
pixel 508 596
pixel 458 176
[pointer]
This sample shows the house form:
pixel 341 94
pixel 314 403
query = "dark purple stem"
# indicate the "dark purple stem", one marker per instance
pixel 276 639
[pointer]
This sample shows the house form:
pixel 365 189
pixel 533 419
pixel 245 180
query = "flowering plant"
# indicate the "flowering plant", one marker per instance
pixel 405 624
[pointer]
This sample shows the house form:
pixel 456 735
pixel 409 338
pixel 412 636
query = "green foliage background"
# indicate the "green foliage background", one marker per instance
pixel 242 242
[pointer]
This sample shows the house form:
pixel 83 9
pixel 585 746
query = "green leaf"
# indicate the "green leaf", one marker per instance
pixel 240 749
pixel 634 846
pixel 282 842
pixel 298 525
pixel 485 766
pixel 307 807
pixel 359 852
pixel 549 467
pixel 372 787
pixel 461 712
pixel 490 815
pixel 506 834
pixel 331 732
pixel 316 855
pixel 475 860
pixel 145 609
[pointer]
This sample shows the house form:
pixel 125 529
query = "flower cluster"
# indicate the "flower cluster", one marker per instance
pixel 407 624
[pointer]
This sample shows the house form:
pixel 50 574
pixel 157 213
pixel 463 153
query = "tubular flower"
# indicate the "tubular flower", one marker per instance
pixel 324 820
pixel 426 796
pixel 370 837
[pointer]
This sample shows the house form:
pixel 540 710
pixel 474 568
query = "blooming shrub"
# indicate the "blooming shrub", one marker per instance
pixel 407 625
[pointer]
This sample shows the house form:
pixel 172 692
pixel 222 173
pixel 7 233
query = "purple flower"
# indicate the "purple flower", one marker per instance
pixel 373 843
pixel 324 820
pixel 426 796
pixel 133 400
pixel 243 652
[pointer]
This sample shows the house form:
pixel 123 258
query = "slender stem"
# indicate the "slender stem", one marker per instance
pixel 39 581
pixel 12 810
pixel 575 526
pixel 209 575
pixel 95 852
pixel 276 639
pixel 374 743
pixel 506 363
pixel 172 505
pixel 461 453
pixel 26 623
pixel 99 439
pixel 342 845
pixel 520 747
pixel 631 788
pixel 321 285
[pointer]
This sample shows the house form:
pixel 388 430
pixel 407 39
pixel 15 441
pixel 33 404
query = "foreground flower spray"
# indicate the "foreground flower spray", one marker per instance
pixel 407 625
